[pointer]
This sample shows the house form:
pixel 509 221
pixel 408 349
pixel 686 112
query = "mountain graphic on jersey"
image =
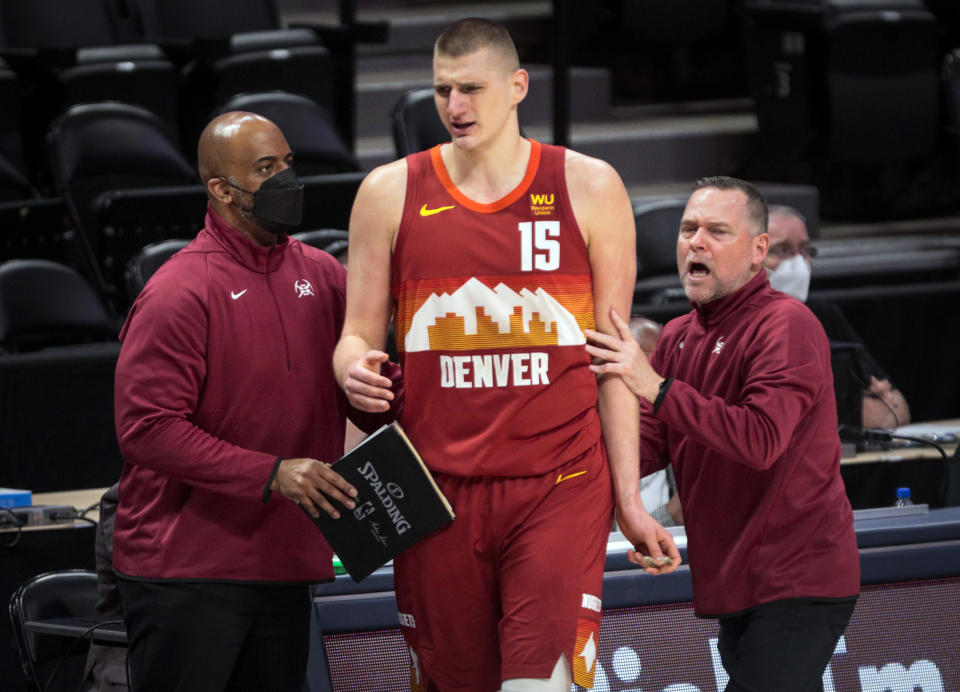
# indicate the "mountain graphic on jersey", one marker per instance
pixel 475 317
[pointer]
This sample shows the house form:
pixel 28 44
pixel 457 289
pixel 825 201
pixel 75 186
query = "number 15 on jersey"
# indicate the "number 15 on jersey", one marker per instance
pixel 537 250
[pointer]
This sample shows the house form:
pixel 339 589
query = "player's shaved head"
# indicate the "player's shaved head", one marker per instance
pixel 223 141
pixel 473 33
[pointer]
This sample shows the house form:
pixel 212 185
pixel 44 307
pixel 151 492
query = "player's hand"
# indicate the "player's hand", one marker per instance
pixel 314 486
pixel 365 387
pixel 654 548
pixel 621 355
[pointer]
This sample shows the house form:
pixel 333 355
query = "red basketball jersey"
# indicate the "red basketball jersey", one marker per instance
pixel 490 304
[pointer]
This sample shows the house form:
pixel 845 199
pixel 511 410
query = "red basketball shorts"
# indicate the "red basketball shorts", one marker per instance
pixel 513 583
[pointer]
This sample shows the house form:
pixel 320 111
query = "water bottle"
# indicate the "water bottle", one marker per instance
pixel 903 498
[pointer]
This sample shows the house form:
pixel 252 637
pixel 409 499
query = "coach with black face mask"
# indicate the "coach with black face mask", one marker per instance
pixel 226 412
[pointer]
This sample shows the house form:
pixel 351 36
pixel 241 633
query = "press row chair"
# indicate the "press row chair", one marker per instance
pixel 52 662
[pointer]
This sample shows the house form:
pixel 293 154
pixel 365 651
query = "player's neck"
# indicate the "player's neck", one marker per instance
pixel 490 171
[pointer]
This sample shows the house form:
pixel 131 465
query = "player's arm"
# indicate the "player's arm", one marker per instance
pixel 605 216
pixel 374 222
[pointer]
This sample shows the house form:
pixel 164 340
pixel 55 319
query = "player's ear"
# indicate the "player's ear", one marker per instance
pixel 520 83
pixel 761 244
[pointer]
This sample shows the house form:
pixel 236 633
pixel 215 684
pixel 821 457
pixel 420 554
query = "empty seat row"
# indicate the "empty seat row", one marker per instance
pixel 122 182
pixel 45 304
pixel 180 59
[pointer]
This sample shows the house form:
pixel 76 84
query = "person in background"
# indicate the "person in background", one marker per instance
pixel 494 252
pixel 788 267
pixel 739 398
pixel 227 411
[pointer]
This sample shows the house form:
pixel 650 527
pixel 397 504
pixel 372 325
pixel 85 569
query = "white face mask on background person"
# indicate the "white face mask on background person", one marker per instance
pixel 792 276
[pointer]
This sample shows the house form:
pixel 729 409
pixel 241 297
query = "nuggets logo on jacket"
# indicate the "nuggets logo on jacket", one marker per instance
pixel 303 288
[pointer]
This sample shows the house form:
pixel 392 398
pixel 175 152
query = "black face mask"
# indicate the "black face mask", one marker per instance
pixel 278 204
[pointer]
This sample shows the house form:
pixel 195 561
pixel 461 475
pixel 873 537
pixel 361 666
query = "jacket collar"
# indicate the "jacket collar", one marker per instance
pixel 717 310
pixel 252 256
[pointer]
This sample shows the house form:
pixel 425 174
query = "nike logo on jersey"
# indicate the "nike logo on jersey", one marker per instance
pixel 561 478
pixel 430 212
pixel 237 295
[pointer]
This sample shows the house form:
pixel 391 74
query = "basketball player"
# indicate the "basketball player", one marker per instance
pixel 494 252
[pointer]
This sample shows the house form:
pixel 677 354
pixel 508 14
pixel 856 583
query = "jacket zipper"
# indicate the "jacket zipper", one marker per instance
pixel 276 306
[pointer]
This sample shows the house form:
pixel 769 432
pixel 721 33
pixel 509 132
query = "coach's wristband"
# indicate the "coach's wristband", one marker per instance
pixel 664 387
pixel 273 474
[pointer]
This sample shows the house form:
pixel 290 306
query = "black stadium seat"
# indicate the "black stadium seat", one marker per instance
pixel 82 50
pixel 142 153
pixel 142 265
pixel 415 123
pixel 42 228
pixel 43 303
pixel 58 351
pixel 212 19
pixel 328 199
pixel 332 240
pixel 236 47
pixel 848 99
pixel 311 134
pixel 882 86
pixel 133 218
pixel 303 68
pixel 14 183
pixel 658 222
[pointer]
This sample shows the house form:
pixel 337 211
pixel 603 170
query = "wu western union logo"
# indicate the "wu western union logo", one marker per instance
pixel 430 212
pixel 541 205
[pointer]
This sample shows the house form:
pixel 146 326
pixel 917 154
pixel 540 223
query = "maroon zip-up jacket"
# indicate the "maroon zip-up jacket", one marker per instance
pixel 750 425
pixel 226 365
